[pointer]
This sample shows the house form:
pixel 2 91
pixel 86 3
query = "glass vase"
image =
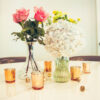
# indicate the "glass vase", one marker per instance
pixel 30 59
pixel 30 64
pixel 61 73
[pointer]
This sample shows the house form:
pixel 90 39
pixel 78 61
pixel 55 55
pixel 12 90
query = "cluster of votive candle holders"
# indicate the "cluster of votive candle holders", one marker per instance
pixel 76 71
pixel 38 77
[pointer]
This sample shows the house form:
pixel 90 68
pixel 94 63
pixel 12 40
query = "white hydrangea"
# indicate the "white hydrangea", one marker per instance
pixel 63 38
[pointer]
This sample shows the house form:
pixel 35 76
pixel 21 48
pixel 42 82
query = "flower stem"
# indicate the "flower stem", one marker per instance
pixel 31 59
pixel 34 62
pixel 27 65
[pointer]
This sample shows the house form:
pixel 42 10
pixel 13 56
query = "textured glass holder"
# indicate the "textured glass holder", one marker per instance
pixel 86 68
pixel 9 75
pixel 37 80
pixel 48 68
pixel 61 73
pixel 75 72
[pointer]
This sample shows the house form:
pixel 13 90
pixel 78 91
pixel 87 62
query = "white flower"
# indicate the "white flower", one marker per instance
pixel 63 38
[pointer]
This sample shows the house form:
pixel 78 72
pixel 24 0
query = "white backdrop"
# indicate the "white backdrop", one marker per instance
pixel 98 24
pixel 85 9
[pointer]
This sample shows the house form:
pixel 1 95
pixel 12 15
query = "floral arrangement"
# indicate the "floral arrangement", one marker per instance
pixel 62 37
pixel 32 30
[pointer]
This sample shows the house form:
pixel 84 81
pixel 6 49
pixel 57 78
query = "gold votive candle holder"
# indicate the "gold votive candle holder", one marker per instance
pixel 48 68
pixel 86 68
pixel 37 80
pixel 75 73
pixel 10 75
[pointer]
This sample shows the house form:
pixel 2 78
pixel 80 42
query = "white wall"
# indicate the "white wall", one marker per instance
pixel 98 24
pixel 85 9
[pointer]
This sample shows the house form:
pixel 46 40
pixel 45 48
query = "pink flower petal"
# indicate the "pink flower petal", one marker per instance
pixel 21 15
pixel 40 14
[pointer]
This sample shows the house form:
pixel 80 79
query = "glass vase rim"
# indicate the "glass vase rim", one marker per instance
pixel 63 58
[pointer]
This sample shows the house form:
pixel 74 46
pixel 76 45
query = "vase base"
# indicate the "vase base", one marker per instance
pixel 61 81
pixel 78 79
pixel 10 81
pixel 36 88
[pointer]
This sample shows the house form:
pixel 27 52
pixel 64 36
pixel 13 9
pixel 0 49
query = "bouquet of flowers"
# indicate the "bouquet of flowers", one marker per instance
pixel 62 37
pixel 32 29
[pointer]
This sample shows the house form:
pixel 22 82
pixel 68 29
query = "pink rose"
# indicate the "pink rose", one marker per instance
pixel 20 15
pixel 40 14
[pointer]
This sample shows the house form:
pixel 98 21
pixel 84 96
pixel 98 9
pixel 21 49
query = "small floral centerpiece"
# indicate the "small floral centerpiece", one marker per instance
pixel 62 39
pixel 32 30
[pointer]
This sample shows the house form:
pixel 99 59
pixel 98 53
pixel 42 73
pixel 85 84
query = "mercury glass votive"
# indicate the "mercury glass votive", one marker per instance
pixel 86 68
pixel 48 68
pixel 37 80
pixel 75 73
pixel 10 75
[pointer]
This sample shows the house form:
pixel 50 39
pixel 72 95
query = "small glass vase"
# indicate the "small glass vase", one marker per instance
pixel 61 73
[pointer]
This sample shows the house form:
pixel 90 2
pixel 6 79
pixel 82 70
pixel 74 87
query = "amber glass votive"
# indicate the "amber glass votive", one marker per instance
pixel 37 80
pixel 75 73
pixel 48 68
pixel 86 68
pixel 9 75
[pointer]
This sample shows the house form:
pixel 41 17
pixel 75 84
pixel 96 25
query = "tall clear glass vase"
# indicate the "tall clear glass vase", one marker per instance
pixel 30 59
pixel 30 64
pixel 61 73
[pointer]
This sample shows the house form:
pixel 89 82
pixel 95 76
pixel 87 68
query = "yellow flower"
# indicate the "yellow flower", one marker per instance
pixel 54 19
pixel 60 13
pixel 71 20
pixel 75 22
pixel 39 22
pixel 78 19
pixel 55 12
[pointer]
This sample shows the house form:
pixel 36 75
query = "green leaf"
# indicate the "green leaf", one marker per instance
pixel 40 31
pixel 66 17
pixel 49 21
pixel 32 31
pixel 14 33
pixel 31 24
pixel 25 29
pixel 19 35
pixel 27 24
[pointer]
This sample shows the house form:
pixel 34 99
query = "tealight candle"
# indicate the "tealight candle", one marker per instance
pixel 10 75
pixel 48 68
pixel 86 68
pixel 75 73
pixel 37 80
